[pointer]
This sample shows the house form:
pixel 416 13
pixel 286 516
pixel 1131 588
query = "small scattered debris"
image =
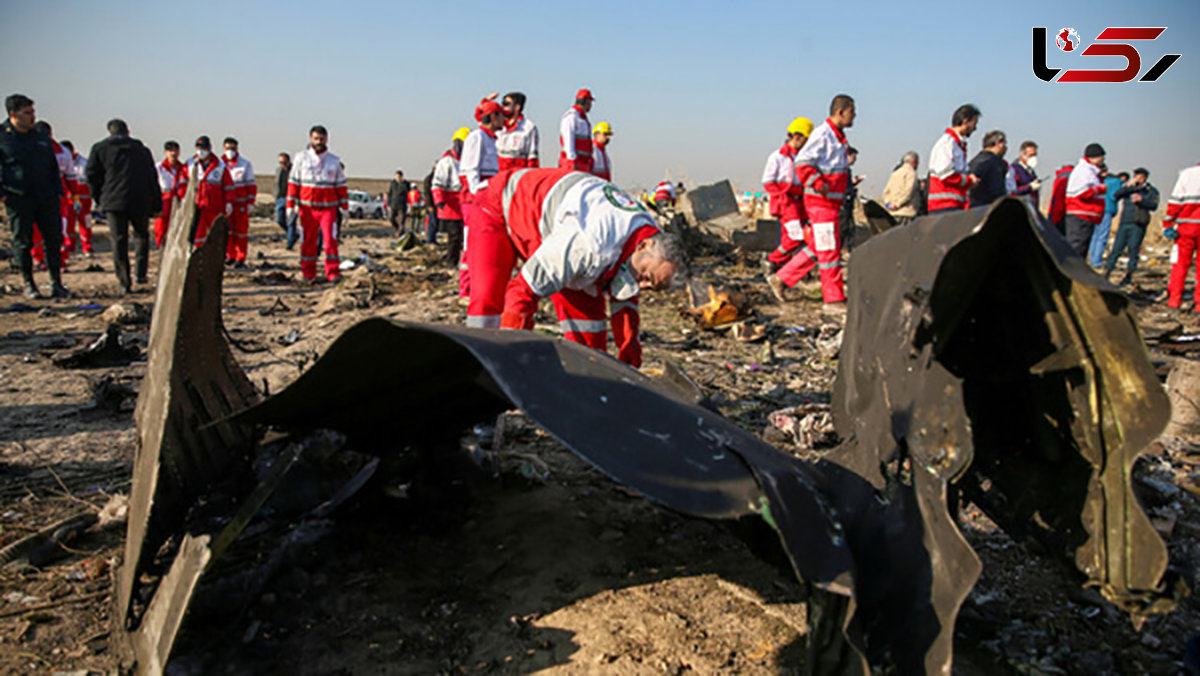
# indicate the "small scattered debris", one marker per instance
pixel 126 313
pixel 47 544
pixel 19 307
pixel 722 309
pixel 107 350
pixel 277 307
pixel 273 278
pixel 109 398
pixel 748 333
pixel 811 425
pixel 290 338
pixel 339 299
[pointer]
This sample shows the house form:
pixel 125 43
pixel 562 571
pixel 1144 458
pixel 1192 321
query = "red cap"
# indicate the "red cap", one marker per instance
pixel 486 108
pixel 584 94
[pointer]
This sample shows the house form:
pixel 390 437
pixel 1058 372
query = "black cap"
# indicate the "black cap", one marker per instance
pixel 1094 150
pixel 1143 171
pixel 204 142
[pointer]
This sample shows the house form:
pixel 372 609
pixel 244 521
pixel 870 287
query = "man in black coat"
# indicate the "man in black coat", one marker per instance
pixel 30 186
pixel 397 201
pixel 124 183
pixel 1138 200
pixel 992 170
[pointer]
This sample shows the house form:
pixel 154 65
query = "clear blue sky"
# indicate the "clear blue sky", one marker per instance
pixel 697 90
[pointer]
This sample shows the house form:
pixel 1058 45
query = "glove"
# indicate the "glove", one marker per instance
pixel 228 209
pixel 1171 233
pixel 292 213
pixel 344 215
pixel 1036 185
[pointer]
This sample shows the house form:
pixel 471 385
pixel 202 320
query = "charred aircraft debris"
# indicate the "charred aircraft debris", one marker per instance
pixel 980 362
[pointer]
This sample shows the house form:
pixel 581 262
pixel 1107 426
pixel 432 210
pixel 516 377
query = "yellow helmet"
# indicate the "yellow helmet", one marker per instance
pixel 463 132
pixel 800 125
pixel 602 128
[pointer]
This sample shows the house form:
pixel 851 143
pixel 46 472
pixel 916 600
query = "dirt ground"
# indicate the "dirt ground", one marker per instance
pixel 547 565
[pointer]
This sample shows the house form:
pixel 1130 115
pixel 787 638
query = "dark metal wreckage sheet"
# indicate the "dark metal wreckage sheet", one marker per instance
pixel 979 358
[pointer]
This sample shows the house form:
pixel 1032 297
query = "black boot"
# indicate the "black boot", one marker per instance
pixel 25 263
pixel 1127 279
pixel 57 290
pixel 31 290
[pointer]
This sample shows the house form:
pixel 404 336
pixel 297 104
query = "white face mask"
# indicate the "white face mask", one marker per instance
pixel 1031 162
pixel 202 154
pixel 230 153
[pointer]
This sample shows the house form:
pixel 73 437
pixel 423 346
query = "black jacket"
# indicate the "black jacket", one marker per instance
pixel 122 177
pixel 991 171
pixel 281 181
pixel 1137 213
pixel 397 195
pixel 27 165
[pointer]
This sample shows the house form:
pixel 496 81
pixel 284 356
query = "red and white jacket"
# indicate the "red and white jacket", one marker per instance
pixel 664 193
pixel 823 162
pixel 575 231
pixel 479 160
pixel 317 181
pixel 82 191
pixel 214 187
pixel 601 165
pixel 1085 192
pixel 517 144
pixel 948 172
pixel 172 181
pixel 783 185
pixel 1058 195
pixel 245 190
pixel 446 187
pixel 575 137
pixel 66 170
pixel 1184 205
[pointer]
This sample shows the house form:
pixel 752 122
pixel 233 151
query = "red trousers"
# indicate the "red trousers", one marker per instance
pixel 38 251
pixel 162 222
pixel 490 257
pixel 500 300
pixel 470 213
pixel 1186 248
pixel 239 234
pixel 827 243
pixel 79 228
pixel 205 222
pixel 795 258
pixel 319 225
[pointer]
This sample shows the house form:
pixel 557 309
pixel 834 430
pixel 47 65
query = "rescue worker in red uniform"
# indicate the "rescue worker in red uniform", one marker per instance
pixel 79 222
pixel 575 134
pixel 823 167
pixel 1085 199
pixel 245 192
pixel 1182 226
pixel 214 189
pixel 479 162
pixel 446 191
pixel 664 194
pixel 601 165
pixel 950 174
pixel 317 194
pixel 581 238
pixel 517 141
pixel 1058 197
pixel 794 258
pixel 172 183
